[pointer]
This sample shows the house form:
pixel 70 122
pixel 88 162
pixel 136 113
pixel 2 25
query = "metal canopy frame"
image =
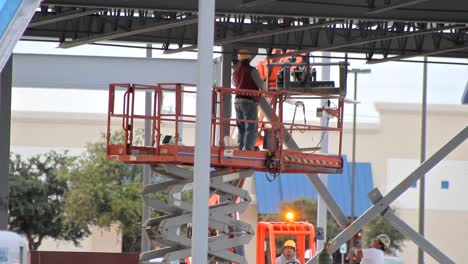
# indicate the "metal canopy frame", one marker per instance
pixel 378 28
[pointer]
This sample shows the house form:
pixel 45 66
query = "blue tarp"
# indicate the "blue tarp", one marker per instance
pixel 294 186
pixel 8 9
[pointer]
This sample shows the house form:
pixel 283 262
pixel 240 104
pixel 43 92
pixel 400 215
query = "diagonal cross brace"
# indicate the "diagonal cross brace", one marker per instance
pixel 383 203
pixel 409 232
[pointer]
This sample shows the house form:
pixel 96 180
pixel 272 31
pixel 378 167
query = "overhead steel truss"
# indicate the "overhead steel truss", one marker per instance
pixel 390 10
pixel 176 31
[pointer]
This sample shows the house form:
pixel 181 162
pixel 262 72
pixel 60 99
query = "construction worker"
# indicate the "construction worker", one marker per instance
pixel 247 77
pixel 374 254
pixel 289 254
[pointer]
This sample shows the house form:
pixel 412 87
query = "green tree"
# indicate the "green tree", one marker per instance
pixel 305 210
pixel 104 192
pixel 37 205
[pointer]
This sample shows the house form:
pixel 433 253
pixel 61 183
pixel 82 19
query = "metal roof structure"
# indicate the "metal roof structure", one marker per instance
pixel 382 29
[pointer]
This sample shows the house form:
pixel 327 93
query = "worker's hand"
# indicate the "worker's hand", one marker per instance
pixel 351 252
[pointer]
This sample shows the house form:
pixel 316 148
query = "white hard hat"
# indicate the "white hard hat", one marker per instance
pixel 384 239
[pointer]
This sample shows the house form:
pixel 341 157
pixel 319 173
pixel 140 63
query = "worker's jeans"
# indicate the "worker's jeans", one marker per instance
pixel 246 109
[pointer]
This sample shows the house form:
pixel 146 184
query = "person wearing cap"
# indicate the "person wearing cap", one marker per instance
pixel 374 254
pixel 247 77
pixel 289 253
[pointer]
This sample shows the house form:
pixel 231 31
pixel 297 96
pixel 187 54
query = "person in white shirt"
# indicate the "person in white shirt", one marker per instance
pixel 374 254
pixel 289 254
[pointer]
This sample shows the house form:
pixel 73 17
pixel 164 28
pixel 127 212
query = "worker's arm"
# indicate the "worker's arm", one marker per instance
pixel 257 79
pixel 355 252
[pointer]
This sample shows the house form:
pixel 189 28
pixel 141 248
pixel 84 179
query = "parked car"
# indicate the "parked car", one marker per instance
pixel 13 249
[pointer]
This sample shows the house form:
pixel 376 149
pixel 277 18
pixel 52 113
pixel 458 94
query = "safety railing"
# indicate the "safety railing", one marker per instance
pixel 170 117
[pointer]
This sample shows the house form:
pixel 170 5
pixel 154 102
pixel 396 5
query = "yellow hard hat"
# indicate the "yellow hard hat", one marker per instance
pixel 289 243
pixel 244 55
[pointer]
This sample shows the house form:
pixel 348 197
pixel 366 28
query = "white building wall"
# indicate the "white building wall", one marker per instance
pixel 450 174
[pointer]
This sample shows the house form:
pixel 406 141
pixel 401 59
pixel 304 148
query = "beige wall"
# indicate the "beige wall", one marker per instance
pixel 446 230
pixel 396 136
pixel 101 240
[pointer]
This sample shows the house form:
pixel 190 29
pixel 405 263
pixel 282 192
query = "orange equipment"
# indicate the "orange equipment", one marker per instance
pixel 303 233
pixel 167 146
pixel 272 72
pixel 262 68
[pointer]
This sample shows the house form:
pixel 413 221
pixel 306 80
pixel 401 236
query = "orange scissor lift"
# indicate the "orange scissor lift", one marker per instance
pixel 302 232
pixel 168 147
pixel 172 119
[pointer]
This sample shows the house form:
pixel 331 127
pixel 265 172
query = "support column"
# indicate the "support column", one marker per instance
pixel 422 182
pixel 5 130
pixel 146 210
pixel 321 203
pixel 226 82
pixel 206 15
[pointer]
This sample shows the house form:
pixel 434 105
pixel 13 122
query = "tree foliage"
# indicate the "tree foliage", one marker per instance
pixel 305 210
pixel 104 192
pixel 37 205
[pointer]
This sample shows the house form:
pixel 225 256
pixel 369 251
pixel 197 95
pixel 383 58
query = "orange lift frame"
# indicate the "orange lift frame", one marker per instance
pixel 279 159
pixel 303 232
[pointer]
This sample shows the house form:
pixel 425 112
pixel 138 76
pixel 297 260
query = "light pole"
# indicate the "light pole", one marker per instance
pixel 353 169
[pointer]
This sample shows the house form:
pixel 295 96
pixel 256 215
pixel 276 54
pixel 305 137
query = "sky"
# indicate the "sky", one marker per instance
pixel 387 82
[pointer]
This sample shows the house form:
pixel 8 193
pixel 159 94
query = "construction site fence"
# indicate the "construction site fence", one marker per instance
pixel 55 257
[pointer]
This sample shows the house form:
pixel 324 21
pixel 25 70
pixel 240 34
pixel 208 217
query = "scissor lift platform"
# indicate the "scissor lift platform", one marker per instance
pixel 292 161
pixel 274 158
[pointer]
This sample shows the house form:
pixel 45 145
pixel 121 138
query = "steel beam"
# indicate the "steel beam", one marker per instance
pixel 186 48
pixel 61 17
pixel 409 232
pixel 259 34
pixel 253 3
pixel 395 6
pixel 125 33
pixel 5 130
pixel 278 31
pixel 375 196
pixel 359 42
pixel 448 11
pixel 383 203
pixel 419 240
pixel 428 53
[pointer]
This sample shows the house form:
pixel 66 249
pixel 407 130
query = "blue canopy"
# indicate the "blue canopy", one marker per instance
pixel 290 186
